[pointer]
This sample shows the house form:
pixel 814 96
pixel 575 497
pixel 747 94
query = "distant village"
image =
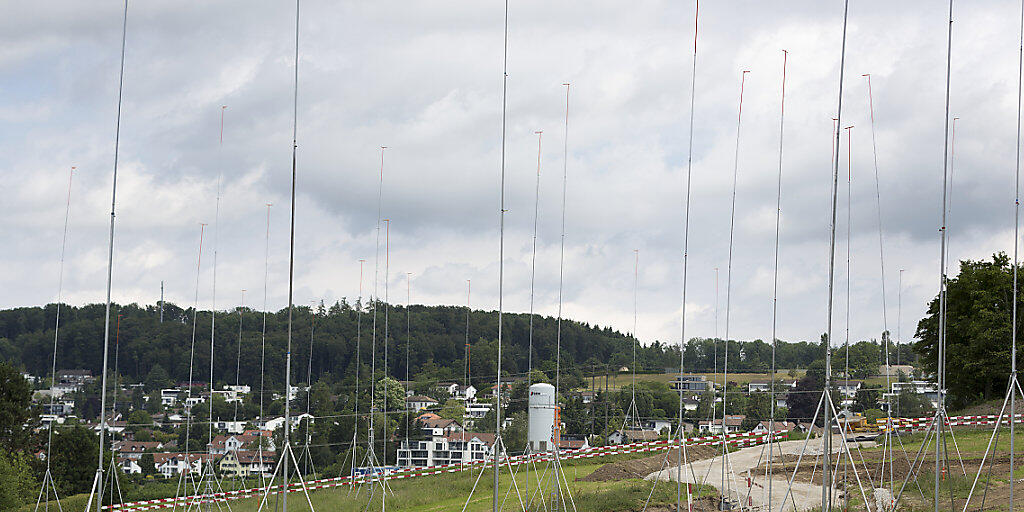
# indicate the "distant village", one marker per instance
pixel 246 447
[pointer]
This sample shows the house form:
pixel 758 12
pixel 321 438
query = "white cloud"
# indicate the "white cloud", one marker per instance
pixel 424 78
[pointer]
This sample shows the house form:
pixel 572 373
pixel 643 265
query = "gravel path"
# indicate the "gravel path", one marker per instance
pixel 805 495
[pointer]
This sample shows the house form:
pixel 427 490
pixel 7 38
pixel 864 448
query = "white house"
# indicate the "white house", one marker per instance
pixel 465 393
pixel 632 436
pixel 227 444
pixel 849 389
pixel 690 404
pixel 478 410
pixel 758 387
pixel 194 401
pixel 782 400
pixel 129 466
pixel 434 425
pixel 419 402
pixel 169 396
pixel 135 449
pixel 780 426
pixel 691 384
pixel 457 448
pixel 232 427
pixel 276 423
pixel 173 464
pixel 733 423
pixel 658 425
pixel 922 387
pixel 447 387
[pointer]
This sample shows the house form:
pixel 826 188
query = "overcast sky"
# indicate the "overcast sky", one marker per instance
pixel 424 79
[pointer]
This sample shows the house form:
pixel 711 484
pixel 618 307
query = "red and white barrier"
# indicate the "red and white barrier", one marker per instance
pixel 739 440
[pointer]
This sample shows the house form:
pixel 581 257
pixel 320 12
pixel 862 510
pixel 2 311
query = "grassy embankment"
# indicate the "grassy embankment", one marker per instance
pixel 447 492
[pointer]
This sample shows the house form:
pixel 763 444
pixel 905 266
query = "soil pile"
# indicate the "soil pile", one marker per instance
pixel 640 468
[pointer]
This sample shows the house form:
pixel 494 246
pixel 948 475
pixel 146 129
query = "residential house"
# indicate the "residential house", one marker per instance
pixel 465 393
pixel 170 396
pixel 632 436
pixel 587 396
pixel 129 465
pixel 135 449
pixel 477 410
pixel 276 423
pixel 849 389
pixel 658 425
pixel 231 427
pixel 419 402
pixel 194 401
pixel 733 423
pixel 434 425
pixel 782 400
pixel 456 448
pixel 450 388
pixel 173 464
pixel 59 407
pixel 70 381
pixel 691 386
pixel 780 426
pixel 114 427
pixel 690 404
pixel 922 387
pixel 759 386
pixel 247 463
pixel 226 444
pixel 78 377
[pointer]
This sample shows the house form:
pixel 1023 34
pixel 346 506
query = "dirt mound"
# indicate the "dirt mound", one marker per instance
pixel 702 504
pixel 640 468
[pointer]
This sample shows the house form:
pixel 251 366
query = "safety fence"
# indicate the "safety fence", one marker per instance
pixel 921 424
pixel 738 440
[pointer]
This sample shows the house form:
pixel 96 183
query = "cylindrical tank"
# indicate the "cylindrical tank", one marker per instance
pixel 543 431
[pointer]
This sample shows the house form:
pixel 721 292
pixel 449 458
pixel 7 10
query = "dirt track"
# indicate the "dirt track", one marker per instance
pixel 640 468
pixel 754 489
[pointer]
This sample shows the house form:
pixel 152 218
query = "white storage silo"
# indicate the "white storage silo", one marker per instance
pixel 543 432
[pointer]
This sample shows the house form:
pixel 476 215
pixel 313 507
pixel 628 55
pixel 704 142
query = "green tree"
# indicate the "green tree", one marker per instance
pixel 153 405
pixel 15 408
pixel 139 420
pixel 514 436
pixel 804 399
pixel 17 484
pixel 391 390
pixel 452 410
pixel 912 405
pixel 866 399
pixel 979 303
pixel 759 408
pixel 704 404
pixel 575 417
pixel 147 464
pixel 73 458
pixel 157 379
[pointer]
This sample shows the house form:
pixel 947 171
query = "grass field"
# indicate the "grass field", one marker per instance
pixel 620 380
pixel 448 492
pixel 624 379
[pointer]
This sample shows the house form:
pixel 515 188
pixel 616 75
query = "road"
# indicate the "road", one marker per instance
pixel 805 495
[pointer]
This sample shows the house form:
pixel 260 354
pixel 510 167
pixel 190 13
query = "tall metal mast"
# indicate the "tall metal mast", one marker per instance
pixel 291 272
pixel 98 482
pixel 941 360
pixel 826 482
pixel 501 265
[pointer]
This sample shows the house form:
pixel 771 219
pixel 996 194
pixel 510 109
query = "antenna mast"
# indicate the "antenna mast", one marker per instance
pixel 98 481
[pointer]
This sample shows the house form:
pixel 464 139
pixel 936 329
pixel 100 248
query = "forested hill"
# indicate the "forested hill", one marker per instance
pixel 145 346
